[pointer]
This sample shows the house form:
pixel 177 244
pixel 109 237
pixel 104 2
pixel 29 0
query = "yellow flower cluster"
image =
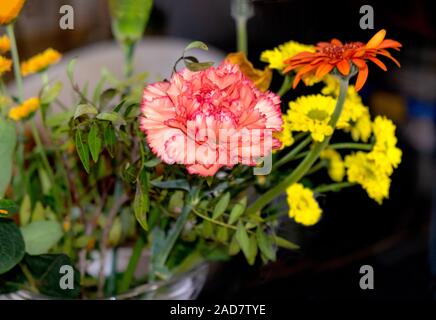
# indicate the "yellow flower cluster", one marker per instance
pixel 5 44
pixel 357 114
pixel 9 10
pixel 372 170
pixel 336 167
pixel 5 65
pixel 40 62
pixel 303 207
pixel 260 78
pixel 275 57
pixel 24 110
pixel 312 114
pixel 285 136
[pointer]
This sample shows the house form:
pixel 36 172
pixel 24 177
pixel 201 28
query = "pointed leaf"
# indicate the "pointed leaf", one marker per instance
pixel 82 150
pixel 41 236
pixel 94 142
pixel 221 206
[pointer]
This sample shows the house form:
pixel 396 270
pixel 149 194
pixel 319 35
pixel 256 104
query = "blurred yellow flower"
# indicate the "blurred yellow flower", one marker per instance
pixel 260 78
pixel 5 44
pixel 385 150
pixel 336 167
pixel 365 171
pixel 5 65
pixel 3 211
pixel 9 10
pixel 40 62
pixel 303 207
pixel 276 56
pixel 331 88
pixel 24 110
pixel 285 136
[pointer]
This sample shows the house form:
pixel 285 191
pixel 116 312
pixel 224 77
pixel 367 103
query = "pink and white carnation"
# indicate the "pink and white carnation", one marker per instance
pixel 210 119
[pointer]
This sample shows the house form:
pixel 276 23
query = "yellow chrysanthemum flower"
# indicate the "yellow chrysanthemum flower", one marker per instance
pixel 364 170
pixel 312 114
pixel 285 136
pixel 9 10
pixel 5 65
pixel 5 44
pixel 354 110
pixel 25 109
pixel 275 57
pixel 40 62
pixel 385 150
pixel 261 78
pixel 303 207
pixel 332 89
pixel 336 167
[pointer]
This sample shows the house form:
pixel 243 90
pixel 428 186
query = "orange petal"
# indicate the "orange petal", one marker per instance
pixel 388 43
pixel 387 54
pixel 379 63
pixel 336 42
pixel 344 67
pixel 361 78
pixel 360 63
pixel 323 70
pixel 376 39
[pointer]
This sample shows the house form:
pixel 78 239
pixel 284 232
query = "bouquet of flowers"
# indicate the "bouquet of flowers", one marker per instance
pixel 181 171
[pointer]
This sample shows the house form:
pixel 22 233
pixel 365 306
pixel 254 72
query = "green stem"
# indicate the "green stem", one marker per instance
pixel 14 51
pixel 292 153
pixel 129 49
pixel 131 267
pixel 308 161
pixel 29 278
pixel 317 167
pixel 222 224
pixel 333 187
pixel 241 30
pixel 286 86
pixel 350 145
pixel 174 233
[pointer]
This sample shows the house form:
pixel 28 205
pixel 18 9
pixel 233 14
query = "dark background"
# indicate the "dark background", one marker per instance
pixel 396 239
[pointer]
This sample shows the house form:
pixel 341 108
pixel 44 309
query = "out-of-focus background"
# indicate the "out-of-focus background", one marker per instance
pixel 397 239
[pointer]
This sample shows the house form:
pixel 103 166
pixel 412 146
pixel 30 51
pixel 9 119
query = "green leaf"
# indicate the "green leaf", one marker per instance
pixel 141 204
pixel 11 245
pixel 265 244
pixel 82 150
pixel 152 163
pixel 243 240
pixel 234 247
pixel 221 206
pixel 38 213
pixel 252 250
pixel 83 109
pixel 172 184
pixel 8 207
pixel 222 234
pixel 197 66
pixel 41 236
pixel 113 117
pixel 8 140
pixel 237 210
pixel 94 142
pixel 59 119
pixel 110 139
pixel 115 232
pixel 176 201
pixel 50 93
pixel 283 243
pixel 25 210
pixel 107 96
pixel 207 230
pixel 196 45
pixel 46 270
pixel 70 69
pixel 44 181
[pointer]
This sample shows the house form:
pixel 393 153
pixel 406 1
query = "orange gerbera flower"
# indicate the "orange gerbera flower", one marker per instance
pixel 334 54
